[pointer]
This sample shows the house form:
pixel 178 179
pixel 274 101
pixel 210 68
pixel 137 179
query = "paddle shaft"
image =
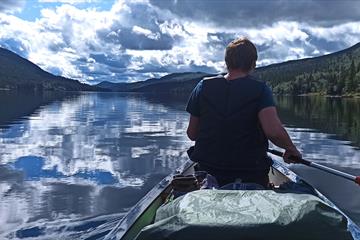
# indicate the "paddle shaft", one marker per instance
pixel 353 178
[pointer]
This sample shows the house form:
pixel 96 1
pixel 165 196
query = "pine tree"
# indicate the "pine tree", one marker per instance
pixel 352 74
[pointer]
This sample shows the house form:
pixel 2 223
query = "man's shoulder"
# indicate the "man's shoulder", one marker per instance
pixel 213 81
pixel 255 78
pixel 213 78
pixel 257 81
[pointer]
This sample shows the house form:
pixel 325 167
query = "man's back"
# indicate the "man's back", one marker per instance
pixel 229 135
pixel 230 117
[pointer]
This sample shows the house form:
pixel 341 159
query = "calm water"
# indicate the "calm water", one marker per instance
pixel 72 165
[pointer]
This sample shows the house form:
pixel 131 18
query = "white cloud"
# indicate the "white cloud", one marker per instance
pixel 134 40
pixel 10 6
pixel 146 32
pixel 278 32
pixel 347 32
pixel 59 37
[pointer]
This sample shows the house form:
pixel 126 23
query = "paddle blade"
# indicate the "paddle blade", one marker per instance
pixel 357 180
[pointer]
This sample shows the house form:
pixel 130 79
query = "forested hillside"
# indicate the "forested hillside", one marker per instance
pixel 334 74
pixel 17 73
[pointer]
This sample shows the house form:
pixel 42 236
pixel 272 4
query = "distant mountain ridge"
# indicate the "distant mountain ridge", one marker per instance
pixel 333 74
pixel 174 82
pixel 17 73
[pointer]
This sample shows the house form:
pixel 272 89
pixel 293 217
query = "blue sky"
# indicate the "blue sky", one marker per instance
pixel 31 9
pixel 132 40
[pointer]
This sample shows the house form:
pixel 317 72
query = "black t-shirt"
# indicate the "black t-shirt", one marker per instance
pixel 230 136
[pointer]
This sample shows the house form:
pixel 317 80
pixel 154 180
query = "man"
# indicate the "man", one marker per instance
pixel 232 118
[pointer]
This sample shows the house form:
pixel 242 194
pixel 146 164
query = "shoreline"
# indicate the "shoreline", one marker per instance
pixel 356 95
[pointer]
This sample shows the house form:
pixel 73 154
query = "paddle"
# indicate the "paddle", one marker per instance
pixel 353 178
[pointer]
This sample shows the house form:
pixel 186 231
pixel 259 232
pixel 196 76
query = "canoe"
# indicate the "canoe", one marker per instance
pixel 143 213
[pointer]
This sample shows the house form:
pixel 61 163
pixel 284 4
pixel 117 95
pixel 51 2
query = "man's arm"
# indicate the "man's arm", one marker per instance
pixel 276 133
pixel 193 127
pixel 193 107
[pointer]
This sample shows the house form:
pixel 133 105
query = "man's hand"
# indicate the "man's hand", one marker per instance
pixel 291 152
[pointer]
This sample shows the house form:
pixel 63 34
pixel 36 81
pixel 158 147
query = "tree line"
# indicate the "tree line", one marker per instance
pixel 333 74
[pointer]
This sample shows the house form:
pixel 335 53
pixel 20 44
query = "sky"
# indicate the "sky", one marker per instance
pixel 133 40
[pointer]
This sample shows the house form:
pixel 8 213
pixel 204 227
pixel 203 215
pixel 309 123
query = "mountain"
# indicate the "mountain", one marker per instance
pixel 116 87
pixel 333 74
pixel 17 73
pixel 172 83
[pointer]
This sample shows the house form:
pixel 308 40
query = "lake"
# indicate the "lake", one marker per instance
pixel 73 164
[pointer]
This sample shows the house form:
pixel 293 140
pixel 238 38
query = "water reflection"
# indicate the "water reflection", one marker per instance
pixel 16 106
pixel 337 116
pixel 93 154
pixel 71 166
pixel 323 148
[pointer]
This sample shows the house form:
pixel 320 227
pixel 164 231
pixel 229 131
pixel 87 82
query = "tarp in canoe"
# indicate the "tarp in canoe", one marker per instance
pixel 229 214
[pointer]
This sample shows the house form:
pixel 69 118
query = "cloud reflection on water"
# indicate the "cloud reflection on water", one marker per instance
pixel 90 155
pixel 98 153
